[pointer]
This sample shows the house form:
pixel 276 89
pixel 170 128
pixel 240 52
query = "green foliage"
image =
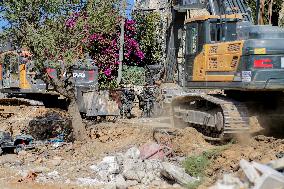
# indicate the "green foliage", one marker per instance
pixel 276 8
pixel 149 36
pixel 55 30
pixel 133 75
pixel 196 165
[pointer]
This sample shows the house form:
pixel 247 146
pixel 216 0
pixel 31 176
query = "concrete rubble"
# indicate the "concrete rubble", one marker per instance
pixel 256 176
pixel 129 169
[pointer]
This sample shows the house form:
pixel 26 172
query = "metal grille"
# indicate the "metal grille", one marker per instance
pixel 234 62
pixel 213 50
pixel 213 63
pixel 234 47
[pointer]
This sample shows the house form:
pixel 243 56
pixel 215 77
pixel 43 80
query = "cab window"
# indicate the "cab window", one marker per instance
pixel 191 39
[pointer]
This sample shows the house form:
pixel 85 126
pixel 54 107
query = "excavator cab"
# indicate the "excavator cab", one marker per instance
pixel 225 52
pixel 213 49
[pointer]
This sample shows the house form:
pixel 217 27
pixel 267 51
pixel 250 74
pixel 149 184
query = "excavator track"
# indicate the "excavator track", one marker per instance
pixel 215 116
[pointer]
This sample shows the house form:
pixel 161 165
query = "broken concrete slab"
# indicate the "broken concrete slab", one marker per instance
pixel 277 164
pixel 266 170
pixel 249 170
pixel 269 181
pixel 176 173
pixel 270 177
pixel 108 164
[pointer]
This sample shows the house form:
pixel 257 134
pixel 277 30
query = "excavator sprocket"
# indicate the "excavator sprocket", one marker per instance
pixel 215 116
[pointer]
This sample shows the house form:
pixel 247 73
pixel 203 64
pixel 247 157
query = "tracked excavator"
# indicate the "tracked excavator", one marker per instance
pixel 19 85
pixel 226 52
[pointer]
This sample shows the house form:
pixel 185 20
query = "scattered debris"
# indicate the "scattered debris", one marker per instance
pixel 31 176
pixel 258 176
pixel 229 182
pixel 88 181
pixel 155 151
pixel 132 168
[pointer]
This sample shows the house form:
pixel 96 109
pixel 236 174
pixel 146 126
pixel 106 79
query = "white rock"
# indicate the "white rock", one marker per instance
pixel 94 168
pixel 103 176
pixel 131 164
pixel 131 175
pixel 23 173
pixel 53 175
pixel 109 165
pixel 151 176
pixel 132 153
pixel 88 181
pixel 176 173
pixel 131 183
pixel 120 182
pixel 152 164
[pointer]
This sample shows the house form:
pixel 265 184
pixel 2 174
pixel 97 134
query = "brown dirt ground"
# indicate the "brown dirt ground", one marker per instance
pixel 109 138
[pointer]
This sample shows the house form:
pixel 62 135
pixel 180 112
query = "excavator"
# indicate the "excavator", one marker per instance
pixel 19 85
pixel 233 69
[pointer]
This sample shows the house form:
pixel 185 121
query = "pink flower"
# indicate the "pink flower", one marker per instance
pixel 107 72
pixel 70 23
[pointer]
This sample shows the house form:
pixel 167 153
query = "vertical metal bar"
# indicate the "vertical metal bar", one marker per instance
pixel 121 41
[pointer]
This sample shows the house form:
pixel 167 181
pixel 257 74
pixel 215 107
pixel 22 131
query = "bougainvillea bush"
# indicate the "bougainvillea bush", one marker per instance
pixel 104 49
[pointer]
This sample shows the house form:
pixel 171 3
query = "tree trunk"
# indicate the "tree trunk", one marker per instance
pixel 281 16
pixel 79 130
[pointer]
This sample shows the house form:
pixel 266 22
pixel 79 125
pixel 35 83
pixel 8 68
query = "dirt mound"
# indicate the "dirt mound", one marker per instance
pixel 107 132
pixel 189 141
pixel 42 123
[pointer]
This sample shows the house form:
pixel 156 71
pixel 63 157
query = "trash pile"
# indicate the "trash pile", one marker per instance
pixel 255 176
pixel 137 167
pixel 51 125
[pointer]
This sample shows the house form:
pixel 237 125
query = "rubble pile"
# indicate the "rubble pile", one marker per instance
pixel 130 169
pixel 255 176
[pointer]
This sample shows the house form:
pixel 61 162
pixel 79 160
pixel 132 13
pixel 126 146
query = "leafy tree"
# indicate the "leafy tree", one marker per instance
pixel 277 4
pixel 54 31
pixel 149 36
